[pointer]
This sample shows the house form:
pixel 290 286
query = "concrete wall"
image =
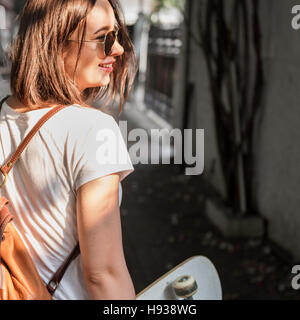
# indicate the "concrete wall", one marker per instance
pixel 201 112
pixel 278 131
pixel 277 135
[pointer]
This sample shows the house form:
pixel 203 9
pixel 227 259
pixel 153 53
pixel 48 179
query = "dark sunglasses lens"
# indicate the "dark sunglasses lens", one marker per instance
pixel 109 42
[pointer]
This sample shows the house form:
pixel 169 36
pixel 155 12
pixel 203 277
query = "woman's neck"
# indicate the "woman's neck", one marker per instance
pixel 15 104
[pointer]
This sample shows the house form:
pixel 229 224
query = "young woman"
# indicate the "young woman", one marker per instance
pixel 69 52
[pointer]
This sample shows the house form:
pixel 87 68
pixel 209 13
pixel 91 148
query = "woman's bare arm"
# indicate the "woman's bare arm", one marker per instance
pixel 100 237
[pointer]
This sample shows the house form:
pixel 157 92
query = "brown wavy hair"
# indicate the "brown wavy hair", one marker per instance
pixel 38 78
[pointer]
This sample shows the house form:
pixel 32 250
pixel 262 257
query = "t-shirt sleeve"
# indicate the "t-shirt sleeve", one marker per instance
pixel 100 151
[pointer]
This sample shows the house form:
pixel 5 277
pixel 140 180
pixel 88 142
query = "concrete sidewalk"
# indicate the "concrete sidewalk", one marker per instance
pixel 164 223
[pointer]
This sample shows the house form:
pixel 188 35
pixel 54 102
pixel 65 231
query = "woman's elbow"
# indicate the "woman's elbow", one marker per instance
pixel 110 284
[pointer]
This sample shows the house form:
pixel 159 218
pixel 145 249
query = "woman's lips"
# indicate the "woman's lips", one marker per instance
pixel 106 67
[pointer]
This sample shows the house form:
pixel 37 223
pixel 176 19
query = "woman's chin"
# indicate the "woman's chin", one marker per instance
pixel 104 82
pixel 100 83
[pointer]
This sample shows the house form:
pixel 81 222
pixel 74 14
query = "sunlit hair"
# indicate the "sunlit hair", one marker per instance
pixel 38 78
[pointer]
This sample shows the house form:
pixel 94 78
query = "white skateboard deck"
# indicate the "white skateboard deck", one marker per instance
pixel 200 268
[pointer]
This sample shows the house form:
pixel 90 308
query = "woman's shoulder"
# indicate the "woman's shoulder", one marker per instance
pixel 78 117
pixel 78 123
pixel 80 112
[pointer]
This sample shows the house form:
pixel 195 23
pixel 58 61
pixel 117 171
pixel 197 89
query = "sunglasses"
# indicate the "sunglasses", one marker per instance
pixel 108 40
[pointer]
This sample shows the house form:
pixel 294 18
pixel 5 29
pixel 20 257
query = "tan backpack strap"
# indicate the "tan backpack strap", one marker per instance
pixel 10 163
pixel 55 280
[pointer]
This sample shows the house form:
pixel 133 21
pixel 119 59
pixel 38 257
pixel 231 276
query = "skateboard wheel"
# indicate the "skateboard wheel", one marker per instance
pixel 185 286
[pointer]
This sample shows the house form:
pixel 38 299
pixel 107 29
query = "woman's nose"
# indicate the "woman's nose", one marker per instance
pixel 117 49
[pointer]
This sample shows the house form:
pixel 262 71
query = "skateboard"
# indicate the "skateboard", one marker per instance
pixel 194 279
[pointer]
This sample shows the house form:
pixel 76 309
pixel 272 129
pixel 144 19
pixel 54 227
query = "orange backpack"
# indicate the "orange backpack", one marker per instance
pixel 19 278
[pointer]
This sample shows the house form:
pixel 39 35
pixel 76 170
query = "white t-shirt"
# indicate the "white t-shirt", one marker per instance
pixel 67 152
